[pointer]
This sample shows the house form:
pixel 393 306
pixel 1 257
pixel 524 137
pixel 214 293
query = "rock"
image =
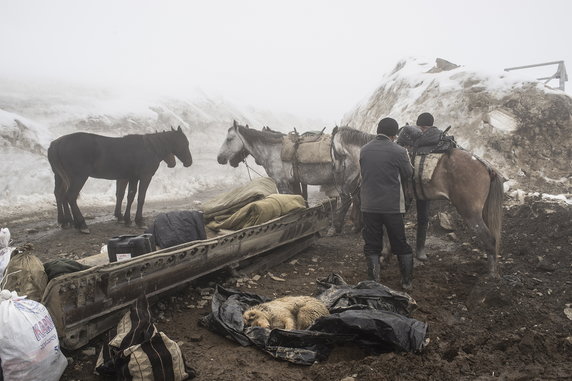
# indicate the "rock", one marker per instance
pixel 196 338
pixel 90 351
pixel 445 221
pixel 256 278
pixel 545 265
pixel 568 312
pixel 273 277
pixel 209 291
pixel 453 236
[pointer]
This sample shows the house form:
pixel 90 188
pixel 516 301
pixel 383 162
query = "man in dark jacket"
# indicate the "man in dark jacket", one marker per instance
pixel 430 137
pixel 385 166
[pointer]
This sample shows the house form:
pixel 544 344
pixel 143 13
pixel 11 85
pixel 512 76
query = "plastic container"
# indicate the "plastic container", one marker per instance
pixel 125 247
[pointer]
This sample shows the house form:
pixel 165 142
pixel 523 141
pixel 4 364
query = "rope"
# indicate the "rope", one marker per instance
pixel 248 168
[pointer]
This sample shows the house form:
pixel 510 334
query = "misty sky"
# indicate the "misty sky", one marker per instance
pixel 313 58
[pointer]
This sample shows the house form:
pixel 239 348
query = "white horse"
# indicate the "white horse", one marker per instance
pixel 266 148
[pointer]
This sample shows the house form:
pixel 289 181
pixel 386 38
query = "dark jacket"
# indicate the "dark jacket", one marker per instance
pixel 428 140
pixel 385 166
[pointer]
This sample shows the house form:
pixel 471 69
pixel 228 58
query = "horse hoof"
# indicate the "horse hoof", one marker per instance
pixel 407 286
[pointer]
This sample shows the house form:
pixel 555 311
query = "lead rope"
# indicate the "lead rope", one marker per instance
pixel 248 168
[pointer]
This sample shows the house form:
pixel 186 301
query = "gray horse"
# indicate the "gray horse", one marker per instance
pixel 266 148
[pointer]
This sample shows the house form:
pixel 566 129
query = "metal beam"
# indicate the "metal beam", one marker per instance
pixel 560 74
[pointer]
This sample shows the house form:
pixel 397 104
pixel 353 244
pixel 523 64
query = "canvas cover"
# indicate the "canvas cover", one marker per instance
pixel 231 201
pixel 424 166
pixel 261 211
pixel 307 148
pixel 177 227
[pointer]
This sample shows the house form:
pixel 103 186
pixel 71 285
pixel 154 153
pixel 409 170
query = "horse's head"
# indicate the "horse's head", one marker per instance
pixel 180 147
pixel 408 135
pixel 233 150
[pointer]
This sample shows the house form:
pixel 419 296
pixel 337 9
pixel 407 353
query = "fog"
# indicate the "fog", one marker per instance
pixel 311 58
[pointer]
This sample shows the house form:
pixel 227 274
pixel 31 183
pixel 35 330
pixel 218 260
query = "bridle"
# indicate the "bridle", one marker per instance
pixel 244 154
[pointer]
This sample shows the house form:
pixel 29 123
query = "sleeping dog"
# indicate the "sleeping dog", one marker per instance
pixel 289 312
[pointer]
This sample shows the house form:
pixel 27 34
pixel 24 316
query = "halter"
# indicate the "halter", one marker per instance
pixel 244 150
pixel 336 155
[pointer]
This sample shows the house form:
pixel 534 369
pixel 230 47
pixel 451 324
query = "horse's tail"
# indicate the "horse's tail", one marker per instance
pixel 57 166
pixel 492 211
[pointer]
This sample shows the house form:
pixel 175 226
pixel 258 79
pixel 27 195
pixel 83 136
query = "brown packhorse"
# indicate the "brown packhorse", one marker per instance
pixel 474 188
pixel 132 158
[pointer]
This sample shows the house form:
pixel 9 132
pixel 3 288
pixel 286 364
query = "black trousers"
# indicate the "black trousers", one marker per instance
pixel 373 233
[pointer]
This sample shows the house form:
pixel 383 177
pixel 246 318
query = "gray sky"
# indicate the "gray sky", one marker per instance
pixel 313 58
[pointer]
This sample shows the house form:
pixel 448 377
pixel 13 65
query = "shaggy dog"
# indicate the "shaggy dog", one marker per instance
pixel 289 312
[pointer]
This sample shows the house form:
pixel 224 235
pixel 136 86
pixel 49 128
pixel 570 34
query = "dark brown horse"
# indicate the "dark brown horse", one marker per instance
pixel 121 186
pixel 132 158
pixel 472 186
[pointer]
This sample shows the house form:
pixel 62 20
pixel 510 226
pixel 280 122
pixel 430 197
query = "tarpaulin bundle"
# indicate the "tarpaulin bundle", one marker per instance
pixel 369 314
pixel 177 227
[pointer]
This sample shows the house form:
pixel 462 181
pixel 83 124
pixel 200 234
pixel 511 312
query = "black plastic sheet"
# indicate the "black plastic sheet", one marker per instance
pixel 369 314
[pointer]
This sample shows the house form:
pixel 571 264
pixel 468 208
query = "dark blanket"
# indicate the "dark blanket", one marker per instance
pixel 369 314
pixel 62 266
pixel 174 228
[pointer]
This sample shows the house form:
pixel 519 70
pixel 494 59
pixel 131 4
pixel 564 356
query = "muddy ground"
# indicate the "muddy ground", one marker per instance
pixel 513 328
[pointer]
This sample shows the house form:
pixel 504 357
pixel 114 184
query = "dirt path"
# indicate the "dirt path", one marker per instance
pixel 514 328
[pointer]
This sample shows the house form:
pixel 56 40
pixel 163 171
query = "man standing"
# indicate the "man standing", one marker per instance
pixel 385 166
pixel 431 134
pixel 423 145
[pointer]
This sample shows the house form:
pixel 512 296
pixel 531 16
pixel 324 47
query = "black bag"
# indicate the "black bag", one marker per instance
pixel 177 227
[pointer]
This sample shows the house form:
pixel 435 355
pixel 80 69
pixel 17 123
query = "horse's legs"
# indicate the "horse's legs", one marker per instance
pixel 304 192
pixel 345 203
pixel 475 221
pixel 422 223
pixel 71 196
pixel 143 185
pixel 130 197
pixel 120 186
pixel 60 197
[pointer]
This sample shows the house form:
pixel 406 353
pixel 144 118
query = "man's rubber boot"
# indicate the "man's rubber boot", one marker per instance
pixel 406 270
pixel 420 243
pixel 373 268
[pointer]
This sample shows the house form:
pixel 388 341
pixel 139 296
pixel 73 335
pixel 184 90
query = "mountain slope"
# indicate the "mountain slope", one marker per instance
pixel 523 128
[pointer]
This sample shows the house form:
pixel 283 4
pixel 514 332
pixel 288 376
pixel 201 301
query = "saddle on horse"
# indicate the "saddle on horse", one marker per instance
pixel 427 150
pixel 308 148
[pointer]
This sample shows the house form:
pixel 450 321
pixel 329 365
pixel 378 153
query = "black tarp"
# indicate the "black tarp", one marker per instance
pixel 369 314
pixel 177 227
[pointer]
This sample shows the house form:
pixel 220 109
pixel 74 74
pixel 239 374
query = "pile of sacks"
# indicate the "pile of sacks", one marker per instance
pixel 29 344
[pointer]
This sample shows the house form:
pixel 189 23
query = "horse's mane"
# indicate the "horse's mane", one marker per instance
pixel 158 141
pixel 354 137
pixel 264 137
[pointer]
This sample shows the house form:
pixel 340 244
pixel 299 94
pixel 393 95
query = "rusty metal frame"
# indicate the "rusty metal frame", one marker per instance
pixel 87 303
pixel 560 73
